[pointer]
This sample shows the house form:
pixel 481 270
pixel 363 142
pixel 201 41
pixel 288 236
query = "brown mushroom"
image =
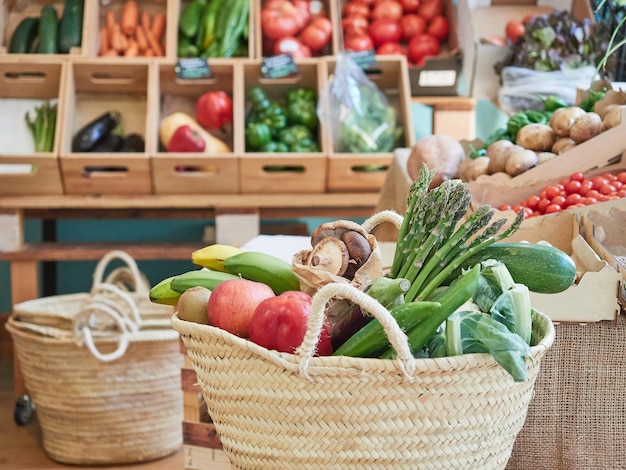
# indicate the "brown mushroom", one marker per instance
pixel 359 250
pixel 330 254
pixel 335 229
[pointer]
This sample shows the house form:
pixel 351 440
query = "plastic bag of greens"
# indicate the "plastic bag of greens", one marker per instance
pixel 355 112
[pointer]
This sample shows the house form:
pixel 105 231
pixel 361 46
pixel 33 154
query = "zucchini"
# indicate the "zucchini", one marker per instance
pixel 24 35
pixel 542 268
pixel 48 31
pixel 71 25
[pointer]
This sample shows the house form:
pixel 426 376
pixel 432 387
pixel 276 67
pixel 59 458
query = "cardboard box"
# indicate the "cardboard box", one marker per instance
pixel 482 19
pixel 93 87
pixel 12 12
pixel 23 86
pixel 97 21
pixel 288 172
pixel 263 47
pixel 594 297
pixel 194 173
pixel 353 172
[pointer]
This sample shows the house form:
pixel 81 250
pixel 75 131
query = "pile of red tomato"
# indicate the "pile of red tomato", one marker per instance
pixel 573 192
pixel 297 27
pixel 415 28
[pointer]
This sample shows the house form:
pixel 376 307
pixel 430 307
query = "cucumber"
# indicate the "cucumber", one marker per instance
pixel 71 25
pixel 542 268
pixel 24 36
pixel 48 31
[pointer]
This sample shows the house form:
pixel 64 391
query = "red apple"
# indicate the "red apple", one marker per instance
pixel 232 304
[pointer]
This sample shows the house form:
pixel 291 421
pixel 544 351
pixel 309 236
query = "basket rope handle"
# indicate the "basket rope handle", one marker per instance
pixel 98 275
pixel 83 333
pixel 405 360
pixel 383 216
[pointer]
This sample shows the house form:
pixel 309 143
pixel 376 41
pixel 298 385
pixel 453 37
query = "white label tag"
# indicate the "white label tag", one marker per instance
pixel 437 78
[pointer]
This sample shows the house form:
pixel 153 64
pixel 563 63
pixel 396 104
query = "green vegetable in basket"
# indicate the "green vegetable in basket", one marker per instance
pixel 257 134
pixel 298 138
pixel 43 126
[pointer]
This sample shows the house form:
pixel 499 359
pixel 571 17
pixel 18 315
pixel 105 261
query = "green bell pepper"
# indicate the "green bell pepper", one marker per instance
pixel 295 134
pixel 301 94
pixel 274 117
pixel 303 112
pixel 257 134
pixel 274 147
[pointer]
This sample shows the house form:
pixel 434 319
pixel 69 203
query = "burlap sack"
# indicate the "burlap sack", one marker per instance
pixel 577 418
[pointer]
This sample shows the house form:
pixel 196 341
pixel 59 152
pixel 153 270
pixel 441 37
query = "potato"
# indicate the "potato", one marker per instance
pixel 585 127
pixel 562 144
pixel 562 119
pixel 537 137
pixel 543 157
pixel 613 116
pixel 471 168
pixel 440 152
pixel 521 161
pixel 498 153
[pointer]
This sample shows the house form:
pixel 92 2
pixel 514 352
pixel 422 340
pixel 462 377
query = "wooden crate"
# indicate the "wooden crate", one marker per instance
pixel 194 173
pixel 352 172
pixel 202 446
pixel 24 85
pixel 97 21
pixel 265 47
pixel 282 172
pixel 14 11
pixel 93 87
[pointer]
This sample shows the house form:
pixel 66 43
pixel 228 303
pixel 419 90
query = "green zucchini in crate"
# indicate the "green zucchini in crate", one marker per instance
pixel 71 25
pixel 542 268
pixel 24 36
pixel 48 31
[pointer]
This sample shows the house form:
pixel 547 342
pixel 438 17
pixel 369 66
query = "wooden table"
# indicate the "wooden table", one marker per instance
pixel 24 258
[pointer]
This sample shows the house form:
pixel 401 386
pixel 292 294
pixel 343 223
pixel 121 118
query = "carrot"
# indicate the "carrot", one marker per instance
pixel 148 53
pixel 104 41
pixel 118 40
pixel 158 26
pixel 140 35
pixel 132 50
pixel 146 21
pixel 110 19
pixel 110 53
pixel 153 43
pixel 130 17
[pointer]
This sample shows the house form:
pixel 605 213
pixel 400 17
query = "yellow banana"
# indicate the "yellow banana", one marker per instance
pixel 199 277
pixel 213 256
pixel 265 268
pixel 162 293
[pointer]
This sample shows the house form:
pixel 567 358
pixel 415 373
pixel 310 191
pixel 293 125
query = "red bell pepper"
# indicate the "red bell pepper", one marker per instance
pixel 186 139
pixel 214 110
pixel 280 323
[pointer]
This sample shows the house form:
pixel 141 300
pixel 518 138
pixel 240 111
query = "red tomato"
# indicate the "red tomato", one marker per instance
pixel 621 177
pixel 280 19
pixel 593 193
pixel 317 34
pixel 588 200
pixel 572 186
pixel 355 24
pixel 516 208
pixel 411 25
pixel 528 18
pixel 585 186
pixel 599 181
pixel 391 48
pixel 617 184
pixel 609 176
pixel 504 207
pixel 514 30
pixel 439 27
pixel 543 204
pixel 385 30
pixel 303 10
pixel 214 110
pixel 621 193
pixel 577 177
pixel 608 189
pixel 552 192
pixel 358 42
pixel 291 45
pixel 387 9
pixel 421 46
pixel 356 7
pixel 532 202
pixel 553 208
pixel 572 199
pixel 558 200
pixel 410 6
pixel 430 8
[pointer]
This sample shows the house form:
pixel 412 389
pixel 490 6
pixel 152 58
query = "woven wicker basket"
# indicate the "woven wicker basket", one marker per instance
pixel 121 402
pixel 275 410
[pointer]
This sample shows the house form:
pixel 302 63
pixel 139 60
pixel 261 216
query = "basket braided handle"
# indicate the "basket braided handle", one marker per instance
pixel 405 360
pixel 130 269
pixel 83 333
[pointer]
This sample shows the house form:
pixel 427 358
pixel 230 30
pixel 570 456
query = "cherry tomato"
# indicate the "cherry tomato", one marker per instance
pixel 593 193
pixel 552 192
pixel 621 192
pixel 588 200
pixel 609 176
pixel 516 208
pixel 411 25
pixel 607 189
pixel 577 177
pixel 385 30
pixel 543 204
pixel 598 182
pixel 532 202
pixel 621 177
pixel 514 30
pixel 387 9
pixel 358 42
pixel 504 207
pixel 421 46
pixel 572 186
pixel 572 199
pixel 585 186
pixel 558 200
pixel 552 208
pixel 617 184
pixel 430 8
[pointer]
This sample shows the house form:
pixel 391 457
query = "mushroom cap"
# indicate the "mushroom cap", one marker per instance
pixel 359 250
pixel 329 254
pixel 335 229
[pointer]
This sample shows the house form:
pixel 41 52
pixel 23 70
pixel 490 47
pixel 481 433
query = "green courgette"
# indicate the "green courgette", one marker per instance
pixel 24 35
pixel 542 268
pixel 48 31
pixel 71 25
